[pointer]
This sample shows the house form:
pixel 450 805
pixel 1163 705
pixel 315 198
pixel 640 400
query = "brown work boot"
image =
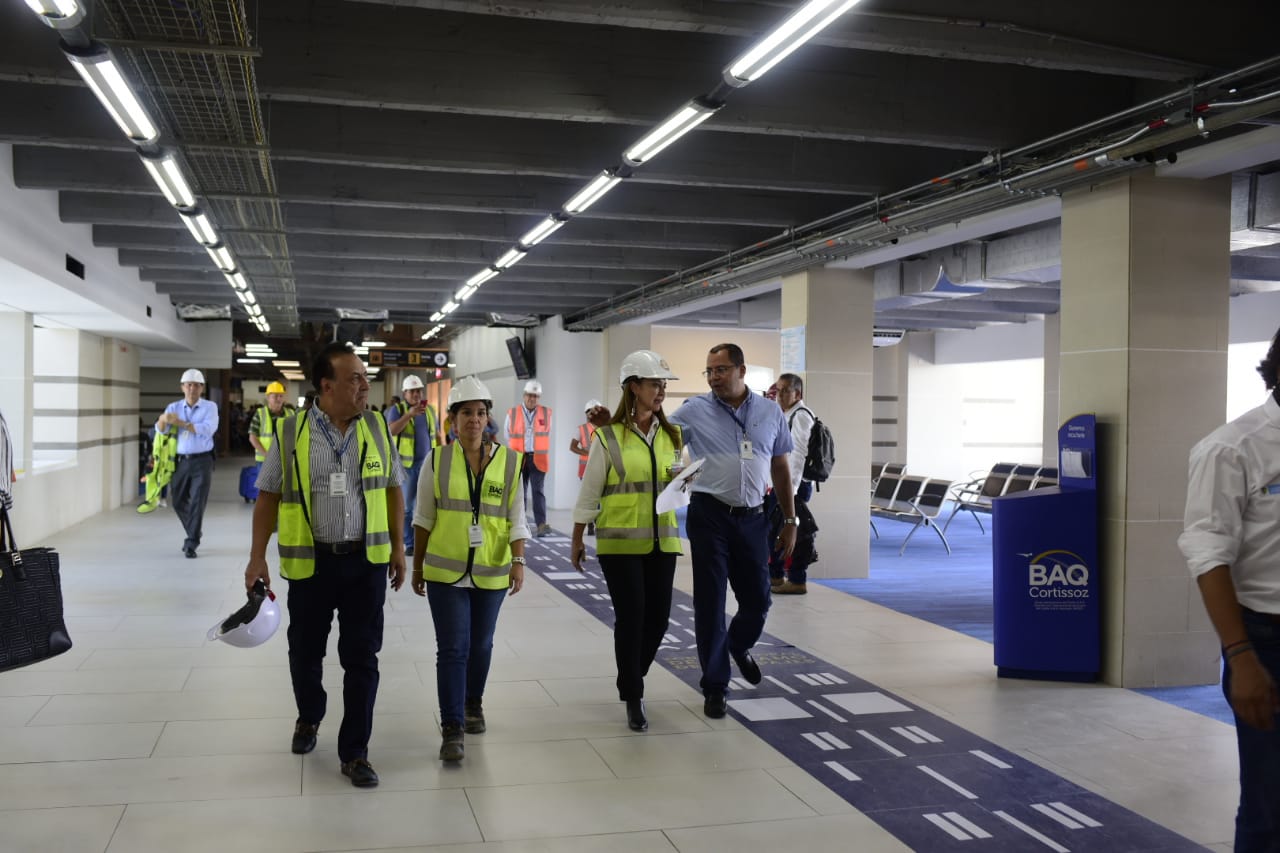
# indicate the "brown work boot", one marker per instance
pixel 789 588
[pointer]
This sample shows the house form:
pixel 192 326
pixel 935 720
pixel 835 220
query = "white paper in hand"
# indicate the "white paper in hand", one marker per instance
pixel 676 494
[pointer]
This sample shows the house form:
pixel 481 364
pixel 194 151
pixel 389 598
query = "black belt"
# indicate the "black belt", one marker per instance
pixel 711 500
pixel 339 549
pixel 195 455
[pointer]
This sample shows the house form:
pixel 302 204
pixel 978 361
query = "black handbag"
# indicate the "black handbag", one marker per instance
pixel 31 624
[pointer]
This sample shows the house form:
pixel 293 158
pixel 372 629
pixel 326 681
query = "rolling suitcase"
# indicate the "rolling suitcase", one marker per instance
pixel 248 483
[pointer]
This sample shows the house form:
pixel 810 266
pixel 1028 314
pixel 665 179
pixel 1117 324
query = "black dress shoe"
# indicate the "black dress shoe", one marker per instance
pixel 715 705
pixel 190 552
pixel 304 737
pixel 361 773
pixel 747 666
pixel 635 716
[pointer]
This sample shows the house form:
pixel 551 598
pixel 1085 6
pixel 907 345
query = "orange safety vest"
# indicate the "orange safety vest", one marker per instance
pixel 585 431
pixel 541 450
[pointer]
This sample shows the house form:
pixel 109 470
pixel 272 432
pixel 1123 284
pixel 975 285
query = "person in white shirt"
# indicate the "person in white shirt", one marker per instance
pixel 1231 542
pixel 788 576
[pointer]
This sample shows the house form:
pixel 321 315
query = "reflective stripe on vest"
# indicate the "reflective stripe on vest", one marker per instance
pixel 449 555
pixel 585 431
pixel 637 472
pixel 266 434
pixel 296 543
pixel 541 434
pixel 406 438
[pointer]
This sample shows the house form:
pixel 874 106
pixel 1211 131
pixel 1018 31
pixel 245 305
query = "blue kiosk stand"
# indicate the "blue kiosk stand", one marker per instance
pixel 1045 565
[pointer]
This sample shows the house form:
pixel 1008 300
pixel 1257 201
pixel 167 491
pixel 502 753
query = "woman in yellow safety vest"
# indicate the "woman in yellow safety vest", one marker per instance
pixel 468 555
pixel 630 462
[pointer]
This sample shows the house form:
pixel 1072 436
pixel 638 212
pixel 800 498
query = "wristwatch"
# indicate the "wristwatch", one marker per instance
pixel 791 520
pixel 518 561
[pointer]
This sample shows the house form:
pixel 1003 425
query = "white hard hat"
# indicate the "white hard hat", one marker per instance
pixel 192 375
pixel 469 388
pixel 533 386
pixel 593 403
pixel 251 625
pixel 644 364
pixel 411 382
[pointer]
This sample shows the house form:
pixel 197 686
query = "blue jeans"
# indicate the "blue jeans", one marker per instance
pixel 465 618
pixel 728 550
pixel 533 481
pixel 410 502
pixel 357 589
pixel 1258 818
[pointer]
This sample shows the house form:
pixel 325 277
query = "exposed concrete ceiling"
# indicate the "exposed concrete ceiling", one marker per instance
pixel 414 141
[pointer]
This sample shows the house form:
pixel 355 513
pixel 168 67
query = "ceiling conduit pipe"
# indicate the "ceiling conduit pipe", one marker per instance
pixel 1052 178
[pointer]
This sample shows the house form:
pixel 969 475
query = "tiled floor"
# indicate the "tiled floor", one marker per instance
pixel 144 737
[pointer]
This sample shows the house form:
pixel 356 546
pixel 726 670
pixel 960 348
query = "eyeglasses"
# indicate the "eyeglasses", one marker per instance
pixel 719 370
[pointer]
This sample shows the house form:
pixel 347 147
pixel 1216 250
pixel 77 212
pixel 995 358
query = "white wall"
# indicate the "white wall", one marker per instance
pixel 88 401
pixel 109 300
pixel 975 398
pixel 205 345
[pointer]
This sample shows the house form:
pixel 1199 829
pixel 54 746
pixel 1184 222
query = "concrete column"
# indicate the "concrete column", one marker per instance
pixel 889 403
pixel 1052 415
pixel 1144 322
pixel 835 309
pixel 570 368
pixel 15 383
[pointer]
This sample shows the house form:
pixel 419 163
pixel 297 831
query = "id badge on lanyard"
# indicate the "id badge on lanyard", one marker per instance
pixel 744 449
pixel 475 535
pixel 338 484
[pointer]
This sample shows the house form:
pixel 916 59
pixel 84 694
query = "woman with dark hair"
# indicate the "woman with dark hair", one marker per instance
pixel 468 555
pixel 629 463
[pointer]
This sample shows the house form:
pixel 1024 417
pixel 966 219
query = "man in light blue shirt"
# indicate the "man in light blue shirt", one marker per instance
pixel 746 444
pixel 196 422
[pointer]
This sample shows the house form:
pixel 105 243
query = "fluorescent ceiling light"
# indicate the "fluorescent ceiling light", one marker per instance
pixel 287 363
pixel 55 8
pixel 101 74
pixel 807 21
pixel 200 227
pixel 510 259
pixel 541 231
pixel 591 193
pixel 465 293
pixel 374 344
pixel 222 258
pixel 481 277
pixel 167 174
pixel 237 281
pixel 264 326
pixel 249 361
pixel 449 308
pixel 259 347
pixel 677 125
pixel 254 311
pixel 436 317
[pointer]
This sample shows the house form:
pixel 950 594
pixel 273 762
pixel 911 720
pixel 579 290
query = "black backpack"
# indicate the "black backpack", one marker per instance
pixel 820 457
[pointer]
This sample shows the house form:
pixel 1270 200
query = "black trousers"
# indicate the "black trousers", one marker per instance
pixel 357 590
pixel 640 589
pixel 189 490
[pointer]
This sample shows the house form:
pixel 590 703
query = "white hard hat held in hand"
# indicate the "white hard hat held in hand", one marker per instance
pixel 644 364
pixel 251 625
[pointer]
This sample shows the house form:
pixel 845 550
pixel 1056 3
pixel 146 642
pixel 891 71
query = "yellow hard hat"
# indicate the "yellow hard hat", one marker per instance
pixel 275 388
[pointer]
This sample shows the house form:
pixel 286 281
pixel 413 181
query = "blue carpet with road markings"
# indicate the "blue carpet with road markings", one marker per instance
pixel 930 783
